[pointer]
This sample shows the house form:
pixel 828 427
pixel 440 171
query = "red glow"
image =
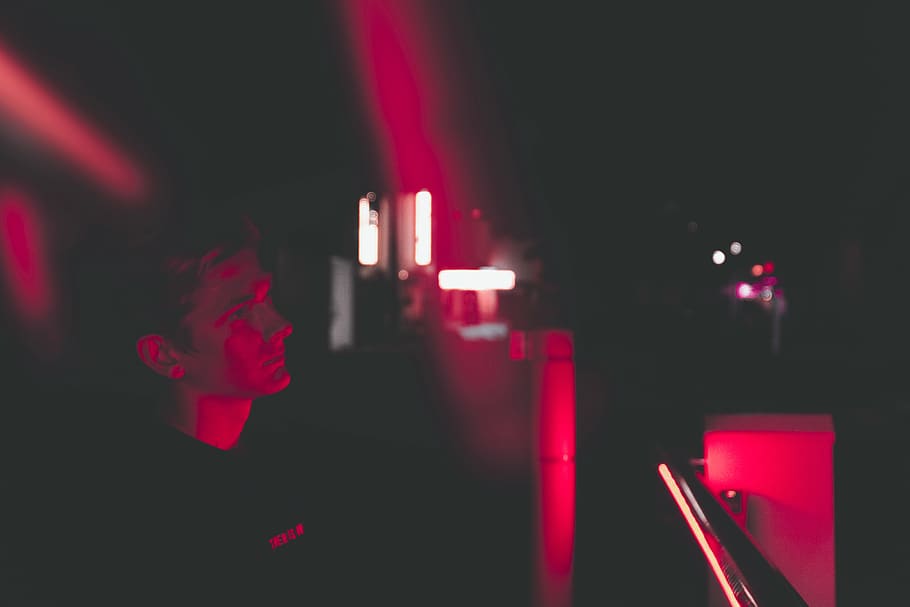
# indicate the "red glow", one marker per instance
pixel 557 409
pixel 476 280
pixel 698 533
pixel 28 101
pixel 518 349
pixel 554 375
pixel 785 464
pixel 768 267
pixel 23 251
pixel 757 270
pixel 556 504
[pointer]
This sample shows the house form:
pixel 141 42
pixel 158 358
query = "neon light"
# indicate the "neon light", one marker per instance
pixel 699 534
pixel 31 103
pixel 423 211
pixel 484 279
pixel 367 235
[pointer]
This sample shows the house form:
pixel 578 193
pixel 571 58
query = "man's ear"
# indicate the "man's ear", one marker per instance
pixel 158 355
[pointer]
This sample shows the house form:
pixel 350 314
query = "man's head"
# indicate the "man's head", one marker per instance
pixel 210 322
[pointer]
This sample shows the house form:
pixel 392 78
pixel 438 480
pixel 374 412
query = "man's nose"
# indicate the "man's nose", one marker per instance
pixel 281 329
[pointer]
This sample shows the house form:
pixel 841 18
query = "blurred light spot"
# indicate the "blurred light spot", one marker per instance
pixel 757 270
pixel 475 213
pixel 718 257
pixel 489 331
pixel 766 294
pixel 403 274
pixel 745 291
pixel 736 248
pixel 768 267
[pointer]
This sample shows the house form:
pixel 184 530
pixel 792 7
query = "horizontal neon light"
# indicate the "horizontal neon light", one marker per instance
pixel 484 279
pixel 699 534
pixel 31 103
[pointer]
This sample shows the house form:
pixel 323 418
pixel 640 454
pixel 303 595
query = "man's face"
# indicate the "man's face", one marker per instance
pixel 237 334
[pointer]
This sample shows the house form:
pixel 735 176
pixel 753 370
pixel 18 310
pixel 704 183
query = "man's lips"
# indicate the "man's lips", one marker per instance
pixel 274 360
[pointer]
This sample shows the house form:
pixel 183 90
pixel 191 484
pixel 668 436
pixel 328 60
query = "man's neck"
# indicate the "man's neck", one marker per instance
pixel 213 420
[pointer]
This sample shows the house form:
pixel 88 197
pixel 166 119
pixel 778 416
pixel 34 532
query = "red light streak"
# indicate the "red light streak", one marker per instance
pixel 28 101
pixel 698 533
pixel 22 250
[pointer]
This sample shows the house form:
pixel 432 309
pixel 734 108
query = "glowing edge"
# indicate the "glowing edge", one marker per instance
pixel 698 533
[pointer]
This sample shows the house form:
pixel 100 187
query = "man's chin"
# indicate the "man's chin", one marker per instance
pixel 279 380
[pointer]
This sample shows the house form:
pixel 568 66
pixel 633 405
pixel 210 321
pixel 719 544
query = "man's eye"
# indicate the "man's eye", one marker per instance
pixel 238 313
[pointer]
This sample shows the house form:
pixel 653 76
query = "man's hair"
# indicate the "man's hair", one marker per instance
pixel 124 290
pixel 171 266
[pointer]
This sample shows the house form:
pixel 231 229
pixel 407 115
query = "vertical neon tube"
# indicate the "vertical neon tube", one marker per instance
pixel 367 236
pixel 423 210
pixel 554 385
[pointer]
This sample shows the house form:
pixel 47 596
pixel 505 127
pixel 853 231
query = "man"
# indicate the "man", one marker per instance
pixel 180 504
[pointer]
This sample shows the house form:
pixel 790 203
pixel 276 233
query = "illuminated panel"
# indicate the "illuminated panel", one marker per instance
pixel 698 533
pixel 423 212
pixel 477 280
pixel 367 235
pixel 785 463
pixel 29 102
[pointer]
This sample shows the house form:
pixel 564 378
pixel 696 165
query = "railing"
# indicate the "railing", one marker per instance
pixel 747 578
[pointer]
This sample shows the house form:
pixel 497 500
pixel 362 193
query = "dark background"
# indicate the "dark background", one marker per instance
pixel 783 128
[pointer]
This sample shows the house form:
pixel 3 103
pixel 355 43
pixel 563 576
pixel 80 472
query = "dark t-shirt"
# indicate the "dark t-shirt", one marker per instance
pixel 148 515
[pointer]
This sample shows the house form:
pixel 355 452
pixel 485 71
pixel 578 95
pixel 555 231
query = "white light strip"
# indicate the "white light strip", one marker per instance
pixel 477 280
pixel 367 236
pixel 423 211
